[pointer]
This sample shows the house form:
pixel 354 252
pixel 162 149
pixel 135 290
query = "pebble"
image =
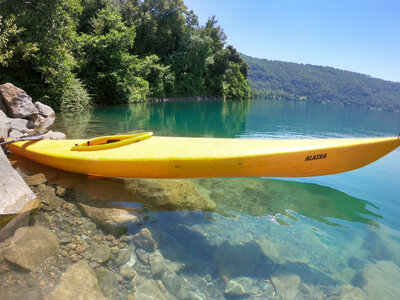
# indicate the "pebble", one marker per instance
pixel 81 248
pixel 76 258
pixel 114 250
pixel 60 191
pixel 70 246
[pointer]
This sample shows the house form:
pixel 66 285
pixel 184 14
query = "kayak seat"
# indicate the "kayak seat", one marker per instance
pixel 111 142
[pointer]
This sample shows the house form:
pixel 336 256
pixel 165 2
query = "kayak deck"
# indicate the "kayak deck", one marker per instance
pixel 181 157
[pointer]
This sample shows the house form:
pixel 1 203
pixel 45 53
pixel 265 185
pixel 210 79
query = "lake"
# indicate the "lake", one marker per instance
pixel 332 236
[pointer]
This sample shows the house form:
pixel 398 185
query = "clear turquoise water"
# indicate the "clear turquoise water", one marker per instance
pixel 326 230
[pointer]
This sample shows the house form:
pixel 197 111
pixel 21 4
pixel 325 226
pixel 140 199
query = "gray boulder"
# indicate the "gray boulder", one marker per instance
pixel 78 282
pixel 54 136
pixel 15 134
pixel 15 194
pixel 30 246
pixel 19 124
pixel 44 110
pixel 4 126
pixel 17 102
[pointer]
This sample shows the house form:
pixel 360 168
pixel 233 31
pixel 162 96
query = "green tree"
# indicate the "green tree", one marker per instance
pixel 110 72
pixel 189 64
pixel 235 85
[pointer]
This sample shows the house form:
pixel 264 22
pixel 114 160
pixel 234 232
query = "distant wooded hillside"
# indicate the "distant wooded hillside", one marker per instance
pixel 284 80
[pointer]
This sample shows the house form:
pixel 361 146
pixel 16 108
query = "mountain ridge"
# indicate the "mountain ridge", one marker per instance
pixel 323 84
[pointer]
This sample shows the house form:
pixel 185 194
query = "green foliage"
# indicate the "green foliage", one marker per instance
pixel 235 86
pixel 49 34
pixel 282 80
pixel 8 29
pixel 110 72
pixel 67 52
pixel 189 65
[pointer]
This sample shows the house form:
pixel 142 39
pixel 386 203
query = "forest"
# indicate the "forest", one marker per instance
pixel 303 82
pixel 73 54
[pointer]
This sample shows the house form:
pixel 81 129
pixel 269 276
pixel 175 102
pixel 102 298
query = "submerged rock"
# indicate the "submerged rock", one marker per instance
pixel 108 282
pixel 113 220
pixel 36 179
pixel 48 196
pixel 239 286
pixel 157 264
pixel 127 272
pixel 376 247
pixel 239 259
pixel 123 257
pixel 99 252
pixel 172 282
pixel 349 292
pixel 149 290
pixel 30 247
pixel 382 280
pixel 78 282
pixel 171 194
pixel 286 286
pixel 144 240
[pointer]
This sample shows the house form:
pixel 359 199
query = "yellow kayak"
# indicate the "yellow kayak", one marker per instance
pixel 147 156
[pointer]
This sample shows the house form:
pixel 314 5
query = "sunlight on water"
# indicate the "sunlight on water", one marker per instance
pixel 336 236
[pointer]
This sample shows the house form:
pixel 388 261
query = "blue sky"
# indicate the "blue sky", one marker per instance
pixel 355 35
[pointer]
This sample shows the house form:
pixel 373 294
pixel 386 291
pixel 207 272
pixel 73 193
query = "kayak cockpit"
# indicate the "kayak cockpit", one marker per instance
pixel 111 142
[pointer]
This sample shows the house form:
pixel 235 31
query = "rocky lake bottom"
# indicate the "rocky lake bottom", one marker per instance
pixel 188 239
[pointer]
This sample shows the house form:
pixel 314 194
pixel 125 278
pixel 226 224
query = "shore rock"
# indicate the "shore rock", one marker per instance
pixel 30 247
pixel 5 125
pixel 382 280
pixel 17 102
pixel 78 282
pixel 144 240
pixel 172 194
pixel 54 136
pixel 44 110
pixel 15 194
pixel 113 220
pixel 19 125
pixel 15 134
